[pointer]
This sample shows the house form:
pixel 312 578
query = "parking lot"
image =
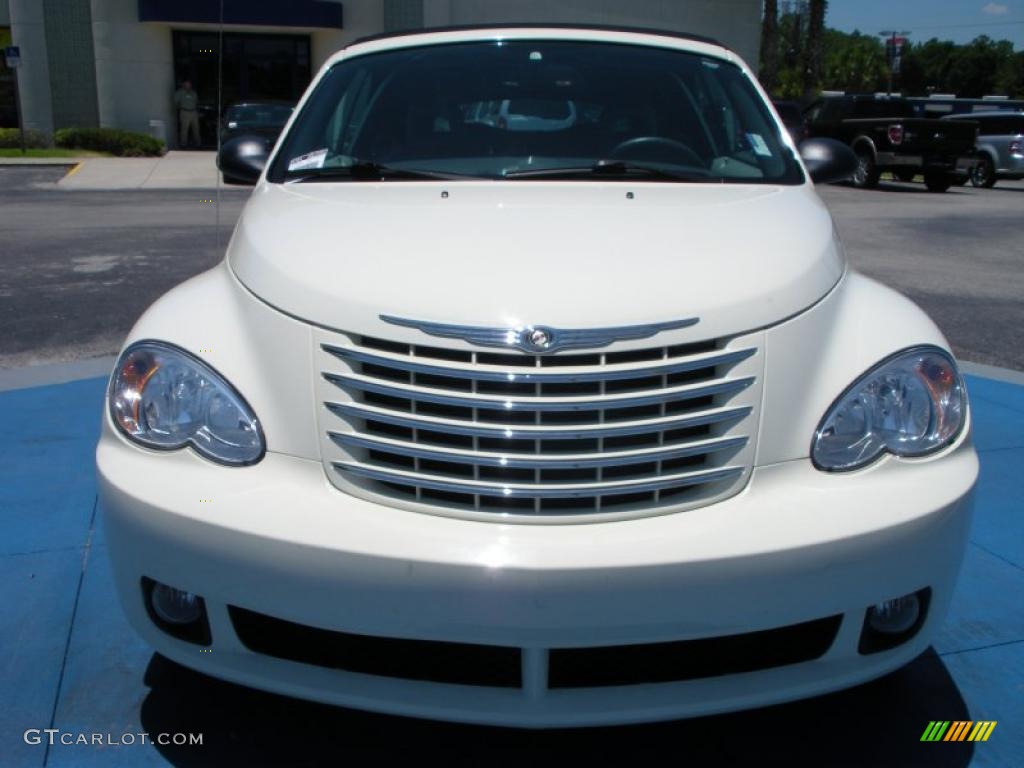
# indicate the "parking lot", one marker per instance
pixel 80 266
pixel 960 255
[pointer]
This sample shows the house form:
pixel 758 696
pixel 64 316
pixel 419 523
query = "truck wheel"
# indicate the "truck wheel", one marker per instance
pixel 905 174
pixel 984 173
pixel 937 181
pixel 867 173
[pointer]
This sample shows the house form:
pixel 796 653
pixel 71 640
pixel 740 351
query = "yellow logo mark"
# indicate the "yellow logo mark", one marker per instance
pixel 959 730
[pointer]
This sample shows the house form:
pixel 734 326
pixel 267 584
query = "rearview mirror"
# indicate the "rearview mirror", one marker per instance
pixel 828 160
pixel 241 160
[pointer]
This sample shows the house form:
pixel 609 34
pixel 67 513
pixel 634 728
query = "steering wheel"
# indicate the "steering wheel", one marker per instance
pixel 649 148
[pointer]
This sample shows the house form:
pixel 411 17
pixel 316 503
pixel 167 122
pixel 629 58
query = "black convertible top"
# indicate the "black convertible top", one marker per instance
pixel 536 25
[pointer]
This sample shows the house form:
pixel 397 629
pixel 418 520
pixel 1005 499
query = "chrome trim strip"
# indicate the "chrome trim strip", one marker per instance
pixel 531 375
pixel 513 490
pixel 535 461
pixel 531 431
pixel 508 403
pixel 553 338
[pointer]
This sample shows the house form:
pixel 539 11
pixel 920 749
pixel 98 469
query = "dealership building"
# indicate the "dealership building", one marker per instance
pixel 117 63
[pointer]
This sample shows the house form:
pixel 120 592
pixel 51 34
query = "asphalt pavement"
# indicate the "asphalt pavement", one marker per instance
pixel 77 267
pixel 959 255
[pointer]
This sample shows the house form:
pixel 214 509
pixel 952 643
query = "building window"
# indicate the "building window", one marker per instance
pixel 255 68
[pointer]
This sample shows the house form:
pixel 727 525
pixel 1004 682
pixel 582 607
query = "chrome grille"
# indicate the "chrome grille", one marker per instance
pixel 475 432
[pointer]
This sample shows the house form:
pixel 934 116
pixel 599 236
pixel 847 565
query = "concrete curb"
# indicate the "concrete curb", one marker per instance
pixel 1008 375
pixel 25 162
pixel 59 373
pixel 55 373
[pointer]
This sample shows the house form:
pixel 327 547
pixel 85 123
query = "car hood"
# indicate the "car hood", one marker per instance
pixel 560 254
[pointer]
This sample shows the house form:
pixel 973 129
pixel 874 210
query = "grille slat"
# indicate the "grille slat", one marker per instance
pixel 562 436
pixel 633 400
pixel 532 431
pixel 497 373
pixel 536 490
pixel 538 460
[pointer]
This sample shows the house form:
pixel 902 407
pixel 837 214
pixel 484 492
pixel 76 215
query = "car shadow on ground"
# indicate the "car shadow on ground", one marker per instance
pixel 876 724
pixel 913 186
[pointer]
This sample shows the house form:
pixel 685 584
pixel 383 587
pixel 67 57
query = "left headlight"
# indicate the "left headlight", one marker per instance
pixel 162 397
pixel 911 404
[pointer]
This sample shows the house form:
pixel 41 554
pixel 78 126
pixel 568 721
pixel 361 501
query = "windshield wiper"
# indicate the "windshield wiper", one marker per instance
pixel 610 169
pixel 366 170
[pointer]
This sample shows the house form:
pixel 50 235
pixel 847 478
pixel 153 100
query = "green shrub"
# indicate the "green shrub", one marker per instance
pixel 112 140
pixel 10 138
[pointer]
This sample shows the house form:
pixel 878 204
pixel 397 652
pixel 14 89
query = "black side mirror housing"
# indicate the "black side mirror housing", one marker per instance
pixel 242 159
pixel 828 160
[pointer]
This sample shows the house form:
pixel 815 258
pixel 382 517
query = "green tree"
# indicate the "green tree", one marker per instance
pixel 982 66
pixel 791 40
pixel 1010 78
pixel 927 67
pixel 796 63
pixel 812 49
pixel 853 62
pixel 977 66
pixel 769 68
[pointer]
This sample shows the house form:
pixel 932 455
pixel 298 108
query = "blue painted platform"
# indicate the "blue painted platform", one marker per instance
pixel 69 661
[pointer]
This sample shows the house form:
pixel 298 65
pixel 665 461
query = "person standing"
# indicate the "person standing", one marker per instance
pixel 186 101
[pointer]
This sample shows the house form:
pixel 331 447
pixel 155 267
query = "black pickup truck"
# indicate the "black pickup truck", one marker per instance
pixel 885 136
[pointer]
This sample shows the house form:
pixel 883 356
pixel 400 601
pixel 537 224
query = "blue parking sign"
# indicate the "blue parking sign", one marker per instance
pixel 12 56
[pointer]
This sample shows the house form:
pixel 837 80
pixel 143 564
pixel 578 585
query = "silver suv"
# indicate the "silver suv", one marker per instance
pixel 1000 146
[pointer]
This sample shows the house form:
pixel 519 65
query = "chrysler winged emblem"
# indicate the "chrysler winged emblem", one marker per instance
pixel 540 339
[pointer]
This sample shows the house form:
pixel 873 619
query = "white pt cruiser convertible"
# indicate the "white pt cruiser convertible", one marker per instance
pixel 534 389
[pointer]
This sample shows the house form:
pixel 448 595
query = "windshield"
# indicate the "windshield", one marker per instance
pixel 529 108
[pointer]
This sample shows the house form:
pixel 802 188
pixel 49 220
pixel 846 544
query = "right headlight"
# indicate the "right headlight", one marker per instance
pixel 911 404
pixel 165 398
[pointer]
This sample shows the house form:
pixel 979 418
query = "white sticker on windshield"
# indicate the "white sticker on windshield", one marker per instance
pixel 757 144
pixel 309 160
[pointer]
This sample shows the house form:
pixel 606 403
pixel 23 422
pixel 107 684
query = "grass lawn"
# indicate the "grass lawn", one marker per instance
pixel 52 152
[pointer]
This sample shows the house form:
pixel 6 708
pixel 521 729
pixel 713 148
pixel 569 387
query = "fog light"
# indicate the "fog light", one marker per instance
pixel 179 613
pixel 893 622
pixel 175 606
pixel 894 616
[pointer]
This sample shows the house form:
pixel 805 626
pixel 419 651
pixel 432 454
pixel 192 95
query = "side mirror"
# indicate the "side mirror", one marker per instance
pixel 242 159
pixel 828 160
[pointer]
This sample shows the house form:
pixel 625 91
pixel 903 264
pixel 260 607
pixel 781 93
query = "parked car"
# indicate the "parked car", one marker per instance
pixel 253 118
pixel 1000 146
pixel 792 118
pixel 886 137
pixel 537 428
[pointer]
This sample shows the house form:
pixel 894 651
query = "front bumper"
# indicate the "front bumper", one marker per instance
pixel 276 538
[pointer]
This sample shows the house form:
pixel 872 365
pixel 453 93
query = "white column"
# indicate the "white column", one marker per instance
pixel 27 32
pixel 134 68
